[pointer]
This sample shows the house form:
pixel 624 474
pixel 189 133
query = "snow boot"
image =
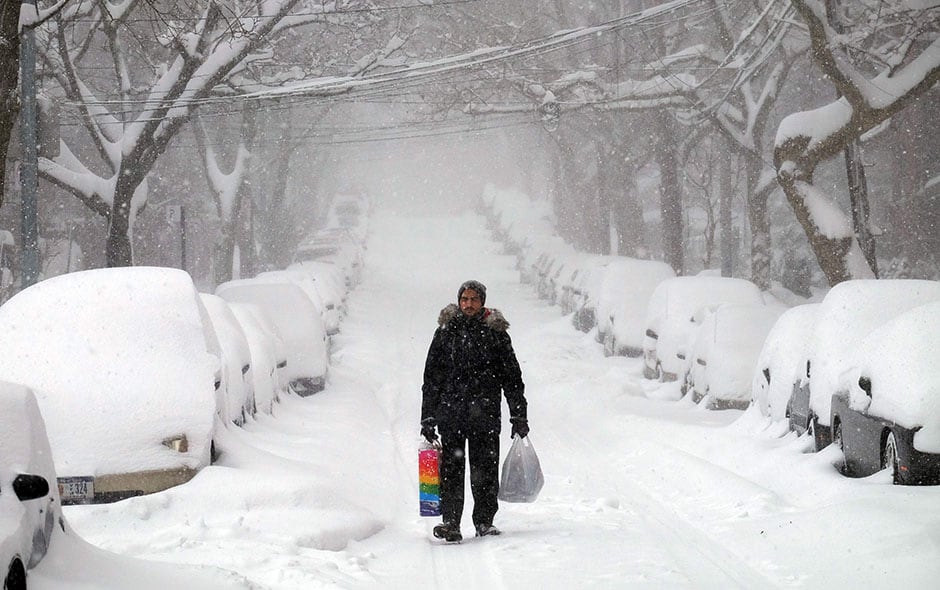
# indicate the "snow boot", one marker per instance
pixel 448 531
pixel 486 530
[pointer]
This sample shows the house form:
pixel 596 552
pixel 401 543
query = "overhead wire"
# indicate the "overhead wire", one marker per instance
pixel 166 19
pixel 406 82
pixel 434 70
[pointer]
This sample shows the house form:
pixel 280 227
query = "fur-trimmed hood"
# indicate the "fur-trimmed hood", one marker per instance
pixel 492 318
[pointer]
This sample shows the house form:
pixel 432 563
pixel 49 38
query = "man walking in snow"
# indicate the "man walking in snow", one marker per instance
pixel 470 363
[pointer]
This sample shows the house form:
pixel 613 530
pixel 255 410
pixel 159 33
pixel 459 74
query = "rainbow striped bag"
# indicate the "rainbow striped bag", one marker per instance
pixel 429 480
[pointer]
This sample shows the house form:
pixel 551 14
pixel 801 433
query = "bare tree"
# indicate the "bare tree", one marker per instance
pixel 898 44
pixel 202 46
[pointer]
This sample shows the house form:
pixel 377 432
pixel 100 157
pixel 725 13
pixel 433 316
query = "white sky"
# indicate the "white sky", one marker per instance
pixel 641 491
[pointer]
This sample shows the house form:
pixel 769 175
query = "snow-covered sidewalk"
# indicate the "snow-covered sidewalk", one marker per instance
pixel 641 490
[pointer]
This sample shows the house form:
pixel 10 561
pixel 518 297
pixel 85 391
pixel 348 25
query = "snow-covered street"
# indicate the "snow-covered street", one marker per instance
pixel 642 490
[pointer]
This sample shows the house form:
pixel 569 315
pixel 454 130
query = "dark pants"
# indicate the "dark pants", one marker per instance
pixel 483 452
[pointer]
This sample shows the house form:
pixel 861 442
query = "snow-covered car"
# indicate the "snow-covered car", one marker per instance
pixel 671 315
pixel 725 352
pixel 625 292
pixel 349 212
pixel 125 373
pixel 268 355
pixel 296 320
pixel 549 266
pixel 782 361
pixel 537 257
pixel 584 291
pixel 29 507
pixel 886 413
pixel 848 313
pixel 573 288
pixel 559 278
pixel 330 281
pixel 322 293
pixel 338 247
pixel 562 284
pixel 236 398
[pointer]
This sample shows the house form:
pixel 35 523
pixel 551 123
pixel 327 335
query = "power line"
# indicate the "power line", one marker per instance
pixel 429 72
pixel 167 19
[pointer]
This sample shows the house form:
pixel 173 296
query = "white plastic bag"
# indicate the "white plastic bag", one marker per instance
pixel 522 475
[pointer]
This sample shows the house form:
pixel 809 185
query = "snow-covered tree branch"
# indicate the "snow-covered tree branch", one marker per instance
pixel 806 139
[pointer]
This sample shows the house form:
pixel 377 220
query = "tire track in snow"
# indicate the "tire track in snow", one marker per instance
pixel 405 280
pixel 701 556
pixel 686 549
pixel 680 552
pixel 470 565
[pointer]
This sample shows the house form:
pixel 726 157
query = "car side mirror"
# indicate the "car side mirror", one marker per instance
pixel 29 487
pixel 865 384
pixel 766 373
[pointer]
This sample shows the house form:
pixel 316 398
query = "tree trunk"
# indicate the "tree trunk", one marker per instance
pixel 224 255
pixel 858 196
pixel 757 197
pixel 569 211
pixel 118 248
pixel 627 212
pixel 247 253
pixel 9 75
pixel 725 199
pixel 670 193
pixel 603 211
pixel 831 253
pixel 270 235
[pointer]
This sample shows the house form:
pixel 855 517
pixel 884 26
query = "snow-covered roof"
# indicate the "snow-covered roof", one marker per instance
pixel 681 297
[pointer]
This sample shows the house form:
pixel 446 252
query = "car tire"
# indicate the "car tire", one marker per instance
pixel 841 463
pixel 890 460
pixel 16 577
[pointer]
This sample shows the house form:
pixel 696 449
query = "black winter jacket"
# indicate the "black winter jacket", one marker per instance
pixel 470 362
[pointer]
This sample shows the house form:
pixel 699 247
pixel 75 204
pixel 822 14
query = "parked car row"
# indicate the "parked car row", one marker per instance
pixel 604 294
pixel 134 370
pixel 639 307
pixel 865 377
pixel 858 369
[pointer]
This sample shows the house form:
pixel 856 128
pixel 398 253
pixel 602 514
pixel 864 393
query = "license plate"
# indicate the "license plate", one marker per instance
pixel 76 490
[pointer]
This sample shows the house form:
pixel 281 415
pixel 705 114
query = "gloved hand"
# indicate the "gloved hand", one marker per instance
pixel 520 426
pixel 428 430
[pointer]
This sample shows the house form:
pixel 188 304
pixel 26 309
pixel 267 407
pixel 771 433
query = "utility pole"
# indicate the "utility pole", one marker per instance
pixel 29 168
